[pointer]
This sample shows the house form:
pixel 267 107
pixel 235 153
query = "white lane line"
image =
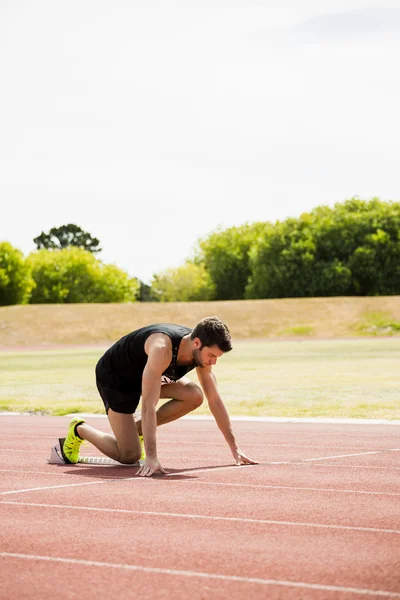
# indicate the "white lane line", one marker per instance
pixel 53 487
pixel 243 419
pixel 349 466
pixel 346 455
pixel 306 460
pixel 203 575
pixel 205 517
pixel 184 472
pixel 288 487
pixel 225 484
pixel 66 485
pixel 277 421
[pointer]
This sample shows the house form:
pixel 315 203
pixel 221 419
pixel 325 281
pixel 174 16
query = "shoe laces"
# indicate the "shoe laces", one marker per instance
pixel 73 444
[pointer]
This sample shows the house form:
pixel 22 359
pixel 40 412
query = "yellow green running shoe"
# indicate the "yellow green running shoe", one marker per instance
pixel 143 455
pixel 71 444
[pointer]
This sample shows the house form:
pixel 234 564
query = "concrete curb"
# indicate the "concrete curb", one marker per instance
pixel 313 420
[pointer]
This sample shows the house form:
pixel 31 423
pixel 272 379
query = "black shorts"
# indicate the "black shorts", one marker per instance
pixel 120 402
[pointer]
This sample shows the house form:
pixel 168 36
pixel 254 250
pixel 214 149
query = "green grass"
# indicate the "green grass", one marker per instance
pixel 306 378
pixel 49 325
pixel 378 323
pixel 298 331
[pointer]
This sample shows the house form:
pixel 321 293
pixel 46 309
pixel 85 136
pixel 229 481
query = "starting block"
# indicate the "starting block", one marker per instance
pixel 56 458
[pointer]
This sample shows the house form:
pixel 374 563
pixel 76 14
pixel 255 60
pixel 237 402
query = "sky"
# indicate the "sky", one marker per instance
pixel 150 124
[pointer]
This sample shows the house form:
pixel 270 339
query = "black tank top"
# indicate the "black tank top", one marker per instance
pixel 122 365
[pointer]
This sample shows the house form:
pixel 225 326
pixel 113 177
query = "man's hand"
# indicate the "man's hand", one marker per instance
pixel 149 467
pixel 242 459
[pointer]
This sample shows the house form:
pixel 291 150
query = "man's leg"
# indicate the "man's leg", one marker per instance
pixel 187 396
pixel 123 446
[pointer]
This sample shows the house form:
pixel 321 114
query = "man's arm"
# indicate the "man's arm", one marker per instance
pixel 209 384
pixel 159 352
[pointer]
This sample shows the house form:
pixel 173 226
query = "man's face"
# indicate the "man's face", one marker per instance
pixel 207 356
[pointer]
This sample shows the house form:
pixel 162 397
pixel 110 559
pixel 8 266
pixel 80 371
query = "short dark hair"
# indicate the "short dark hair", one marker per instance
pixel 211 331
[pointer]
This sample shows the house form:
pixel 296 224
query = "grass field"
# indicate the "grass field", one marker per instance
pixel 289 318
pixel 358 378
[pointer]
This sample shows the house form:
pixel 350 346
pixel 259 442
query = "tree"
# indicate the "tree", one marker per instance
pixel 188 283
pixel 145 293
pixel 225 256
pixel 16 282
pixel 350 249
pixel 112 284
pixel 364 237
pixel 282 261
pixel 73 275
pixel 65 236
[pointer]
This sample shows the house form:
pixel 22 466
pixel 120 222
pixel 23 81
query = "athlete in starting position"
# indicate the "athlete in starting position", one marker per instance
pixel 152 362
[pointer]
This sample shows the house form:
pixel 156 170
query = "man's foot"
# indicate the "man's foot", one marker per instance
pixel 143 455
pixel 72 443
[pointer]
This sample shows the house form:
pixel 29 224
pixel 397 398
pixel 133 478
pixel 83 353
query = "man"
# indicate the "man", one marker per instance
pixel 152 362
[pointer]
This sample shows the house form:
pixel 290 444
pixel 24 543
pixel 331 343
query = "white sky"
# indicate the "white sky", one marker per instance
pixel 150 123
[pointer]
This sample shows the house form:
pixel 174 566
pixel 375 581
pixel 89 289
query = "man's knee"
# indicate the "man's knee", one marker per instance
pixel 196 396
pixel 128 457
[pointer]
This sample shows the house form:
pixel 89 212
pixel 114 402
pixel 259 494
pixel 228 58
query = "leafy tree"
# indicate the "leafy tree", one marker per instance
pixel 16 282
pixel 225 256
pixel 187 283
pixel 73 275
pixel 350 249
pixel 364 236
pixel 65 236
pixel 145 293
pixel 111 284
pixel 282 261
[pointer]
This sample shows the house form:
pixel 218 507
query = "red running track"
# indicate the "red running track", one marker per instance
pixel 319 518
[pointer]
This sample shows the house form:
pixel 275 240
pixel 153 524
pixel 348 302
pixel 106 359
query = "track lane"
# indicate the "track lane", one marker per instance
pixel 265 551
pixel 211 512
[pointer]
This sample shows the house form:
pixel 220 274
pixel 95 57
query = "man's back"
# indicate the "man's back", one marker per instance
pixel 123 363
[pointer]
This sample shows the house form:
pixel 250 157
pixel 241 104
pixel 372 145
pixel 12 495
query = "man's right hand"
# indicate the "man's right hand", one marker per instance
pixel 150 466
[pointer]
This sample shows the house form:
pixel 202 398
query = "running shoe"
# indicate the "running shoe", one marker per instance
pixel 143 455
pixel 71 444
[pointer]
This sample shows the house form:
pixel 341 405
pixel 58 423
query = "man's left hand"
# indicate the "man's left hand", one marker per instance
pixel 242 459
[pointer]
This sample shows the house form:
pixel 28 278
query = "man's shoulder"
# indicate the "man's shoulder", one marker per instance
pixel 159 326
pixel 170 333
pixel 171 329
pixel 158 340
